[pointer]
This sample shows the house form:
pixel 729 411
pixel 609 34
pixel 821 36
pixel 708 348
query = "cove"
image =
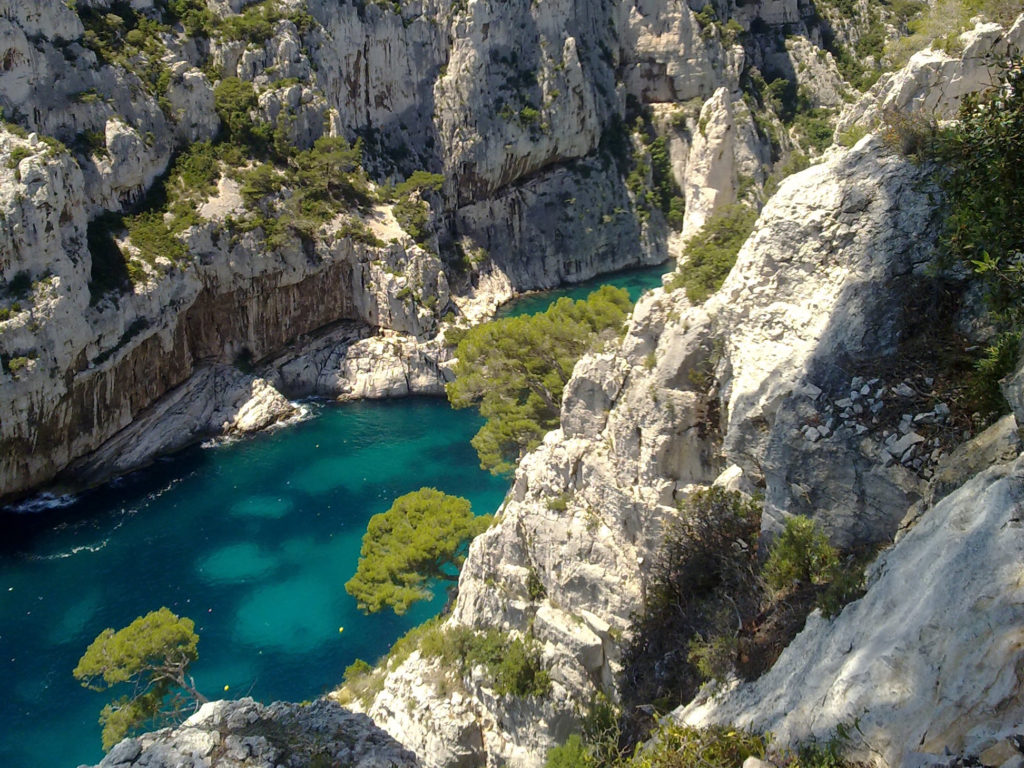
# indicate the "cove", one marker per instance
pixel 253 540
pixel 636 281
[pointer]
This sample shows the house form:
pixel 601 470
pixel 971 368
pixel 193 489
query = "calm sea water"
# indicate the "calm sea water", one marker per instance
pixel 635 281
pixel 253 540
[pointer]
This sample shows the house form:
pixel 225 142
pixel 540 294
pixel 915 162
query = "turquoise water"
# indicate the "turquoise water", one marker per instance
pixel 253 540
pixel 636 281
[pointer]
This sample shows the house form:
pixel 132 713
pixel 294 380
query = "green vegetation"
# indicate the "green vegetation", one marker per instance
pixel 534 586
pixel 154 232
pixel 710 254
pixel 513 664
pixel 572 754
pixel 814 127
pixel 984 154
pixel 939 25
pixel 801 553
pixel 325 180
pixel 852 135
pixel 662 193
pixel 423 537
pixel 712 611
pixel 150 659
pixel 514 370
pixel 131 40
pixel 235 101
pixel 17 155
pixel 680 746
pixel 979 163
pixel 18 363
pixel 703 579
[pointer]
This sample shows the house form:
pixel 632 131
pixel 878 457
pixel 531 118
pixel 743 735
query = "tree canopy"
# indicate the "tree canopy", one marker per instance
pixel 514 371
pixel 150 657
pixel 423 537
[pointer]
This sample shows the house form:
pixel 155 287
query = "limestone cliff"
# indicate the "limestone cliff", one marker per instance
pixel 793 380
pixel 521 106
pixel 800 378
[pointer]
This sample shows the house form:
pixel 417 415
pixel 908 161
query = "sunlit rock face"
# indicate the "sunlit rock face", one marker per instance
pixel 754 390
pixel 241 733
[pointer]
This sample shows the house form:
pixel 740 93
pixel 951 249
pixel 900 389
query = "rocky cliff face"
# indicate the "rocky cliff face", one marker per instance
pixel 792 380
pixel 523 108
pixel 511 102
pixel 803 378
pixel 233 734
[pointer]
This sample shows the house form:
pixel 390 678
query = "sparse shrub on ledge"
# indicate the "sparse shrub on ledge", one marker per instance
pixel 514 664
pixel 711 253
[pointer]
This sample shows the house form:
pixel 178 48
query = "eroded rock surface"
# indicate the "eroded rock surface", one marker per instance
pixel 244 733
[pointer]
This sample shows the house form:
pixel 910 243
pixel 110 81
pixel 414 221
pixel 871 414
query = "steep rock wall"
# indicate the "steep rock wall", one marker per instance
pixel 787 381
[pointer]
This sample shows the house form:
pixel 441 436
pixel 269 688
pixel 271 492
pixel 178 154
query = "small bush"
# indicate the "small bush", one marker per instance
pixel 16 364
pixel 852 135
pixel 710 254
pixel 154 238
pixel 680 746
pixel 847 585
pixel 814 126
pixel 714 658
pixel 420 180
pixel 260 183
pixel 572 754
pixel 514 665
pixel 535 587
pixel 235 102
pixel 802 553
pixel 17 155
pixel 520 673
pixel 560 502
pixel 412 215
pixel 913 134
pixel 701 583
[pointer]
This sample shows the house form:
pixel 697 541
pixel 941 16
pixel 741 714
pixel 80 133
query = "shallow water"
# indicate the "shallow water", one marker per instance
pixel 253 540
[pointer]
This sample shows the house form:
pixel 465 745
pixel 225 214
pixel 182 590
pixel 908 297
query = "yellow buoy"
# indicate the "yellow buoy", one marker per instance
pixel 341 629
pixel 227 687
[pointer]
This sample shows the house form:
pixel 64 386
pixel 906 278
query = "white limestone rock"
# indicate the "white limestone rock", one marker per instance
pixel 807 287
pixel 243 733
pixel 927 659
pixel 725 147
pixel 264 407
pixel 827 270
pixel 934 82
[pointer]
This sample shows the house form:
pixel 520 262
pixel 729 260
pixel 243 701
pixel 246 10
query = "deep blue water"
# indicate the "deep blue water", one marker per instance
pixel 253 540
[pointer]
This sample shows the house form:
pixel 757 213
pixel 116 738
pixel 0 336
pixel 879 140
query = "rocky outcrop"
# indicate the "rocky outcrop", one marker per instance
pixel 86 370
pixel 641 425
pixel 934 82
pixel 791 381
pixel 237 734
pixel 921 669
pixel 726 149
